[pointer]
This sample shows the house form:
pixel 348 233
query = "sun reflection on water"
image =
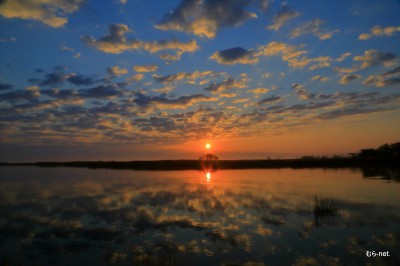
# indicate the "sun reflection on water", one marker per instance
pixel 208 176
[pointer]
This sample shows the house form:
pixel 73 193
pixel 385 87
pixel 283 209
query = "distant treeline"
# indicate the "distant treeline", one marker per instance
pixel 387 155
pixel 384 152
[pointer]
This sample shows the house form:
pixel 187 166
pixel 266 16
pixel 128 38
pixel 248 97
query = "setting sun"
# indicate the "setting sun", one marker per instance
pixel 208 146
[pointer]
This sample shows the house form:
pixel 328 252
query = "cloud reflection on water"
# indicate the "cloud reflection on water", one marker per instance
pixel 260 216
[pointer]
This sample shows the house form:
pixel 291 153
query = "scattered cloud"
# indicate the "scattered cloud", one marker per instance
pixel 237 55
pixel 293 55
pixel 283 16
pixel 29 94
pixel 170 57
pixel 348 78
pixel 134 78
pixel 320 78
pixel 115 42
pixel 11 39
pixel 380 81
pixel 205 18
pixel 145 68
pixel 346 70
pixel 272 99
pixel 80 80
pixel 49 12
pixel 188 77
pixel 154 47
pixel 175 103
pixel 5 87
pixel 388 82
pixel 379 31
pixel 385 79
pixel 54 78
pixel 117 71
pixel 374 57
pixel 227 84
pixel 313 27
pixel 393 71
pixel 348 112
pixel 301 92
pixel 343 57
pixel 259 91
pixel 108 91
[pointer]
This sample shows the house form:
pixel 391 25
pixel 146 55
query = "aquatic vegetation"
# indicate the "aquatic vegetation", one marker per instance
pixel 324 207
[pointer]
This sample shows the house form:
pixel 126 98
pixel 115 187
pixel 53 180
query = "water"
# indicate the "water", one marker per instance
pixel 77 216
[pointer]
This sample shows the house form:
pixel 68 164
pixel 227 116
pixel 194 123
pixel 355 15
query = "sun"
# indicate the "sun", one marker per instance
pixel 208 146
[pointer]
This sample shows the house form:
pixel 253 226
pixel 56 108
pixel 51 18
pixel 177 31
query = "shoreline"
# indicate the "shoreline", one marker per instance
pixel 165 165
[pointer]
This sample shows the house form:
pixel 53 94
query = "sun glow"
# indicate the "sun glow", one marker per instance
pixel 208 176
pixel 208 146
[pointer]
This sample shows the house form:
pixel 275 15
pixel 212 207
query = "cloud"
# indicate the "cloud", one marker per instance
pixel 394 71
pixel 343 57
pixel 313 27
pixel 320 78
pixel 145 68
pixel 293 55
pixel 237 55
pixel 301 91
pixel 227 84
pixel 11 39
pixel 272 99
pixel 176 103
pixel 379 81
pixel 49 12
pixel 115 42
pixel 374 57
pixel 108 91
pixel 259 91
pixel 388 82
pixel 80 80
pixel 348 112
pixel 370 58
pixel 54 78
pixel 30 93
pixel 205 18
pixel 5 87
pixel 346 70
pixel 137 77
pixel 61 94
pixel 189 77
pixel 170 57
pixel 379 31
pixel 348 78
pixel 240 100
pixel 48 104
pixel 117 71
pixel 163 90
pixel 283 16
pixel 66 48
pixel 154 47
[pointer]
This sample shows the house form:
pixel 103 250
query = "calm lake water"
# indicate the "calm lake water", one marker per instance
pixel 78 216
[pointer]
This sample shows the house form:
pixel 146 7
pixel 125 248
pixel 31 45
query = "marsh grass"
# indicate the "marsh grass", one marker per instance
pixel 324 208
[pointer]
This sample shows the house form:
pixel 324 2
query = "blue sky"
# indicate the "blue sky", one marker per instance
pixel 157 79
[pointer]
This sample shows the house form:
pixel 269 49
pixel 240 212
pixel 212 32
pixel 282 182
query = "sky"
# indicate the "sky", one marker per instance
pixel 146 80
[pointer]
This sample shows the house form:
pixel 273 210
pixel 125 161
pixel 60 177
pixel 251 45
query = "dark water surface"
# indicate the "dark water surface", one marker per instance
pixel 77 216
